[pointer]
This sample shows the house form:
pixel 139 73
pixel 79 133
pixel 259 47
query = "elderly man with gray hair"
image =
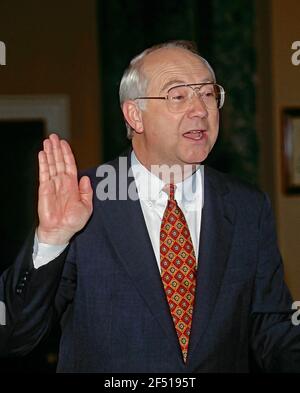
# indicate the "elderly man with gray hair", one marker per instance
pixel 186 276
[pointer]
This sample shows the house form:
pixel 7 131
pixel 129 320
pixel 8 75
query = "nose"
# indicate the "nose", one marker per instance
pixel 197 106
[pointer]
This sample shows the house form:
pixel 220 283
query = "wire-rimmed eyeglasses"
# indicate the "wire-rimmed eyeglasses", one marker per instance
pixel 179 97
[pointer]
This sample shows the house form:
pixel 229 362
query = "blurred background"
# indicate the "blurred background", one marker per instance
pixel 64 62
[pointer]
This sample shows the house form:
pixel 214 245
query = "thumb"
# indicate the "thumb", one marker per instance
pixel 86 191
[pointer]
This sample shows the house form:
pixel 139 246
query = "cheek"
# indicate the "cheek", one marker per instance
pixel 214 127
pixel 162 126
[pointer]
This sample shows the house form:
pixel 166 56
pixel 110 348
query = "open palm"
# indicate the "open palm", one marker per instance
pixel 64 205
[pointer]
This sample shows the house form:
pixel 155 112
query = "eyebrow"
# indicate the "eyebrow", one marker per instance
pixel 181 82
pixel 172 82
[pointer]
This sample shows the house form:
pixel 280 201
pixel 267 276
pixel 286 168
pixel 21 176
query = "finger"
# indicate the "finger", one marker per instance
pixel 86 192
pixel 44 174
pixel 57 154
pixel 70 163
pixel 50 158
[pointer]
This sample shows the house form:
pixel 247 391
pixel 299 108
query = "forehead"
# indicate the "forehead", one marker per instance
pixel 167 65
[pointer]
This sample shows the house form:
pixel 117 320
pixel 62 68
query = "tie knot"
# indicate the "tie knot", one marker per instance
pixel 170 190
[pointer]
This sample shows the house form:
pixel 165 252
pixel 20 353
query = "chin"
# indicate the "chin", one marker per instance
pixel 196 158
pixel 195 154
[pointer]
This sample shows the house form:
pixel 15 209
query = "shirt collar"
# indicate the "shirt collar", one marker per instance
pixel 150 187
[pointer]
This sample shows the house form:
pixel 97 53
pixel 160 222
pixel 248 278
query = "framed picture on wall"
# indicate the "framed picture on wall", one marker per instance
pixel 291 150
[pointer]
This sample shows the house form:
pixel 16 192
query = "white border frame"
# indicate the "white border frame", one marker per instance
pixel 54 110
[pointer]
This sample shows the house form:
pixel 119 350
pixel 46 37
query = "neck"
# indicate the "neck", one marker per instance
pixel 173 173
pixel 168 172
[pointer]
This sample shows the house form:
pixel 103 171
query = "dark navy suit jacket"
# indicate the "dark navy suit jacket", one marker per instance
pixel 107 292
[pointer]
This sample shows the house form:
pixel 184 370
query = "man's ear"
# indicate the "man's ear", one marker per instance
pixel 133 116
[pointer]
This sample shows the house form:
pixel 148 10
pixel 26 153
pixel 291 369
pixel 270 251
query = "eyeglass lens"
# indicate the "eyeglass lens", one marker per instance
pixel 179 97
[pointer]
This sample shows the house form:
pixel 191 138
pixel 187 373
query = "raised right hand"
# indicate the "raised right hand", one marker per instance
pixel 64 205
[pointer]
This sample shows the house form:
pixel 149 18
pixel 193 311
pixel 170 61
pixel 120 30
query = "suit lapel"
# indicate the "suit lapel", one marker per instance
pixel 215 239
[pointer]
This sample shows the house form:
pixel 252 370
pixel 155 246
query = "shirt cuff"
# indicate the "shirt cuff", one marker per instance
pixel 44 253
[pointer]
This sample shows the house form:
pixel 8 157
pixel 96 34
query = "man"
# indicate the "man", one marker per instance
pixel 182 274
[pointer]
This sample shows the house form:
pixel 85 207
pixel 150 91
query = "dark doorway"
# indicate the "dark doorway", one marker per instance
pixel 20 144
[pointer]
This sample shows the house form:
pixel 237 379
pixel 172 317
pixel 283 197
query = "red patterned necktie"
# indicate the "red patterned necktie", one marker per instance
pixel 178 269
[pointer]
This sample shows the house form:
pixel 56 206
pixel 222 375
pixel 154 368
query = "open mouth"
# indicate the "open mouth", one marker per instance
pixel 195 135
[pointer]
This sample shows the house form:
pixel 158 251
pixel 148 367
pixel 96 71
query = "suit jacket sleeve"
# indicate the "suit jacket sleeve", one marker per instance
pixel 29 298
pixel 275 340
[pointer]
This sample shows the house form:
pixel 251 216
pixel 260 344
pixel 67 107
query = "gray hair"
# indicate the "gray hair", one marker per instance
pixel 134 82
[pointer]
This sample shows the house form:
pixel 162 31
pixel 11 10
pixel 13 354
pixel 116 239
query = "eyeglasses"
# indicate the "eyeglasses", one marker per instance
pixel 179 97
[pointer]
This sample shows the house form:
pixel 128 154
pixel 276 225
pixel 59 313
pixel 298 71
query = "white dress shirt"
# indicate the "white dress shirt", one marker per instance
pixel 188 194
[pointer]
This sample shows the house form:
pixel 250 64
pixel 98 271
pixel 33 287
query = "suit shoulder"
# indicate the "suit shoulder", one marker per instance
pixel 239 189
pixel 97 172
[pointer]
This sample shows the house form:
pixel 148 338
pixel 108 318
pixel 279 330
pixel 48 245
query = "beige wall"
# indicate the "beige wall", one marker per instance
pixel 279 87
pixel 52 49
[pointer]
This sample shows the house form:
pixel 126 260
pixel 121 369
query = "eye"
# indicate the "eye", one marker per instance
pixel 178 94
pixel 207 92
pixel 178 97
